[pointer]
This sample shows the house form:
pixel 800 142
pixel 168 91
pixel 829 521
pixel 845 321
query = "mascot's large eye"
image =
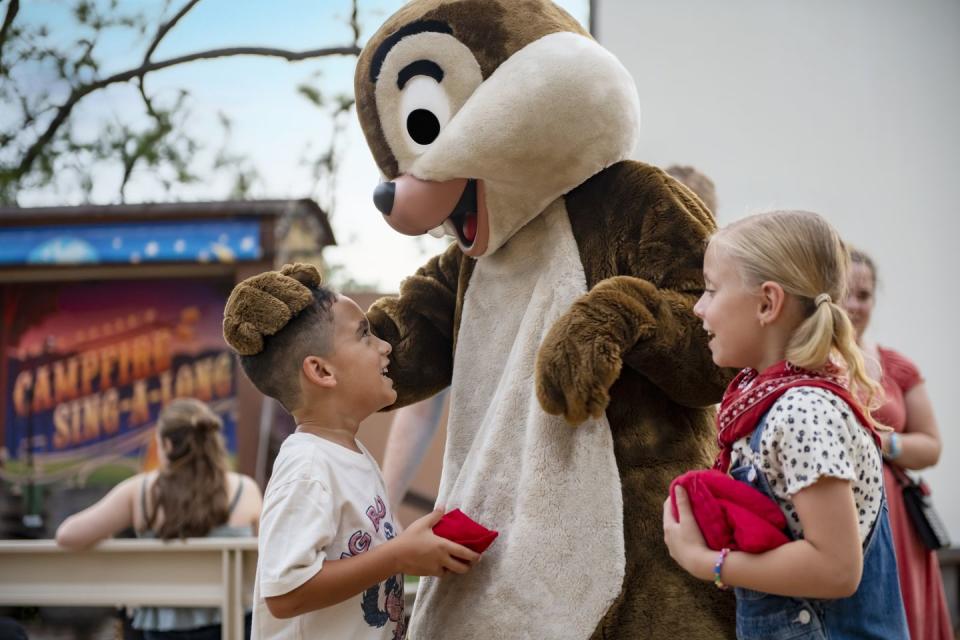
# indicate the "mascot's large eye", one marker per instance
pixel 425 110
pixel 423 126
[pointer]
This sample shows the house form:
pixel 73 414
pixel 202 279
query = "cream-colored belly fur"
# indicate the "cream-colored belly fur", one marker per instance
pixel 552 491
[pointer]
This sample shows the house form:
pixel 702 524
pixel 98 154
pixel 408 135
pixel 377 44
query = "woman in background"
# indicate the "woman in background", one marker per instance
pixel 913 444
pixel 192 494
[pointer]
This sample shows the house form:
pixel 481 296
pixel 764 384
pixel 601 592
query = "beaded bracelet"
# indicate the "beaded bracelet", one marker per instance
pixel 717 567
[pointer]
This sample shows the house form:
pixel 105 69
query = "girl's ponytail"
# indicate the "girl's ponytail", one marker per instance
pixel 828 331
pixel 812 341
pixel 861 384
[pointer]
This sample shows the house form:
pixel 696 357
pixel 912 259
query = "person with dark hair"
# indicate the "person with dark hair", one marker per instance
pixel 192 494
pixel 914 443
pixel 697 182
pixel 330 552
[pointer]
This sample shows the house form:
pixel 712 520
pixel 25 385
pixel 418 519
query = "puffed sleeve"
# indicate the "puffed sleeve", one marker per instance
pixel 901 370
pixel 809 438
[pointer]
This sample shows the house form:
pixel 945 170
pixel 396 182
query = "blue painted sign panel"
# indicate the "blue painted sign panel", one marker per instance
pixel 114 243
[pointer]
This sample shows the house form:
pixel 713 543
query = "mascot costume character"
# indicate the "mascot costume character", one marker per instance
pixel 561 317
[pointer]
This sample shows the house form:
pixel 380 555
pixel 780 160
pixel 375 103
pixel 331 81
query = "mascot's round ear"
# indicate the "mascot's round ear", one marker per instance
pixel 263 304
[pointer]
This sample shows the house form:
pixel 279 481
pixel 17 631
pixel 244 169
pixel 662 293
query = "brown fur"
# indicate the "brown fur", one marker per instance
pixel 493 30
pixel 643 287
pixel 263 304
pixel 422 323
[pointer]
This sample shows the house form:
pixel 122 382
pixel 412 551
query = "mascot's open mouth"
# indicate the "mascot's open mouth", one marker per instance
pixel 464 216
pixel 455 207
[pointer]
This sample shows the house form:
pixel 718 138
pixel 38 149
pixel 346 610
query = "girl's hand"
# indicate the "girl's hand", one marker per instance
pixel 684 540
pixel 420 552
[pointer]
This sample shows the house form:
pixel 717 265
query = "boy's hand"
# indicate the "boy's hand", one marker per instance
pixel 420 552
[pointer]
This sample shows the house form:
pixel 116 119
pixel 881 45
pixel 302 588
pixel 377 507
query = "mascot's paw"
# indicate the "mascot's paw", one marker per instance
pixel 578 362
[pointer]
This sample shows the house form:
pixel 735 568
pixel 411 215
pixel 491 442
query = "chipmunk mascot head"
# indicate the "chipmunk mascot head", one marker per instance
pixel 561 316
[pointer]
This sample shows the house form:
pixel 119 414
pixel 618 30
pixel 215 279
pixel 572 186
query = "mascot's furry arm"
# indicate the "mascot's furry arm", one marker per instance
pixel 419 325
pixel 639 310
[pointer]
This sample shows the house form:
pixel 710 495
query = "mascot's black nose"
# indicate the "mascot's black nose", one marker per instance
pixel 383 197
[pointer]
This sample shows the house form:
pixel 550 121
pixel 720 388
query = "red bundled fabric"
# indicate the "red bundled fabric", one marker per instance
pixel 460 528
pixel 731 513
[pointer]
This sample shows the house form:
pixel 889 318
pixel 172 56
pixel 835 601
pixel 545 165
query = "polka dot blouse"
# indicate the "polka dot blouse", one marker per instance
pixel 810 434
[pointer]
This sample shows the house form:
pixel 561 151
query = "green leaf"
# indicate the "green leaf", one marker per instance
pixel 311 93
pixel 82 11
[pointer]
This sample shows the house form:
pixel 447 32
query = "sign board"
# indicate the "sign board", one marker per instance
pixel 89 365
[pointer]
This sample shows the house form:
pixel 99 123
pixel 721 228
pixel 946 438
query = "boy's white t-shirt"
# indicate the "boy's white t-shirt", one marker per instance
pixel 324 501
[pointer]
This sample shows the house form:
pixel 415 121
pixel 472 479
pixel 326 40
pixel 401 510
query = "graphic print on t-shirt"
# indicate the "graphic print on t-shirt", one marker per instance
pixel 376 614
pixel 358 543
pixel 376 513
pixel 392 610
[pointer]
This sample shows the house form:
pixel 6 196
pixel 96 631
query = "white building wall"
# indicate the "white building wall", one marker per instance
pixel 850 109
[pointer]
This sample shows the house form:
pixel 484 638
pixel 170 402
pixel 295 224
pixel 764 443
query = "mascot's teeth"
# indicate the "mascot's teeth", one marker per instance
pixel 450 227
pixel 437 232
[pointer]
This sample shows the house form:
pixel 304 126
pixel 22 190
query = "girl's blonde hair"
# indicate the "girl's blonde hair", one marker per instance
pixel 192 489
pixel 804 254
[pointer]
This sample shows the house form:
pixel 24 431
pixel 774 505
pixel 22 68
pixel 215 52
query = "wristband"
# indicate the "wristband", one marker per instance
pixel 717 567
pixel 895 446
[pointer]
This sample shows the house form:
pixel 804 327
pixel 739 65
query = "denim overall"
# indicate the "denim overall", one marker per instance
pixel 875 610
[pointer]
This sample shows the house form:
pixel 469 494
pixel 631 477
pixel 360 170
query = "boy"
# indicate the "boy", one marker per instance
pixel 330 559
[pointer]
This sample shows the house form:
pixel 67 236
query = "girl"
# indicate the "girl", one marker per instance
pixel 789 426
pixel 191 495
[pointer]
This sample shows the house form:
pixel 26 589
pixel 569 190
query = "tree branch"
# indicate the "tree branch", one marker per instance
pixel 290 56
pixel 161 32
pixel 146 99
pixel 80 92
pixel 12 9
pixel 355 22
pixel 165 27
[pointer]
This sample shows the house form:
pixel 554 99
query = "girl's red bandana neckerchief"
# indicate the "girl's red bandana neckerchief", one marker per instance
pixel 751 394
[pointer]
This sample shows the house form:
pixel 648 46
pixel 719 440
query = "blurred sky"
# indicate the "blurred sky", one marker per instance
pixel 272 124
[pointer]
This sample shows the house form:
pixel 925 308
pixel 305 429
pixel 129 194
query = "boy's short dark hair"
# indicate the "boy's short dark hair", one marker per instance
pixel 273 321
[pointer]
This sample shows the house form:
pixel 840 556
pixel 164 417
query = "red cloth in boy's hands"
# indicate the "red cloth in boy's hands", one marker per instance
pixel 731 513
pixel 458 527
